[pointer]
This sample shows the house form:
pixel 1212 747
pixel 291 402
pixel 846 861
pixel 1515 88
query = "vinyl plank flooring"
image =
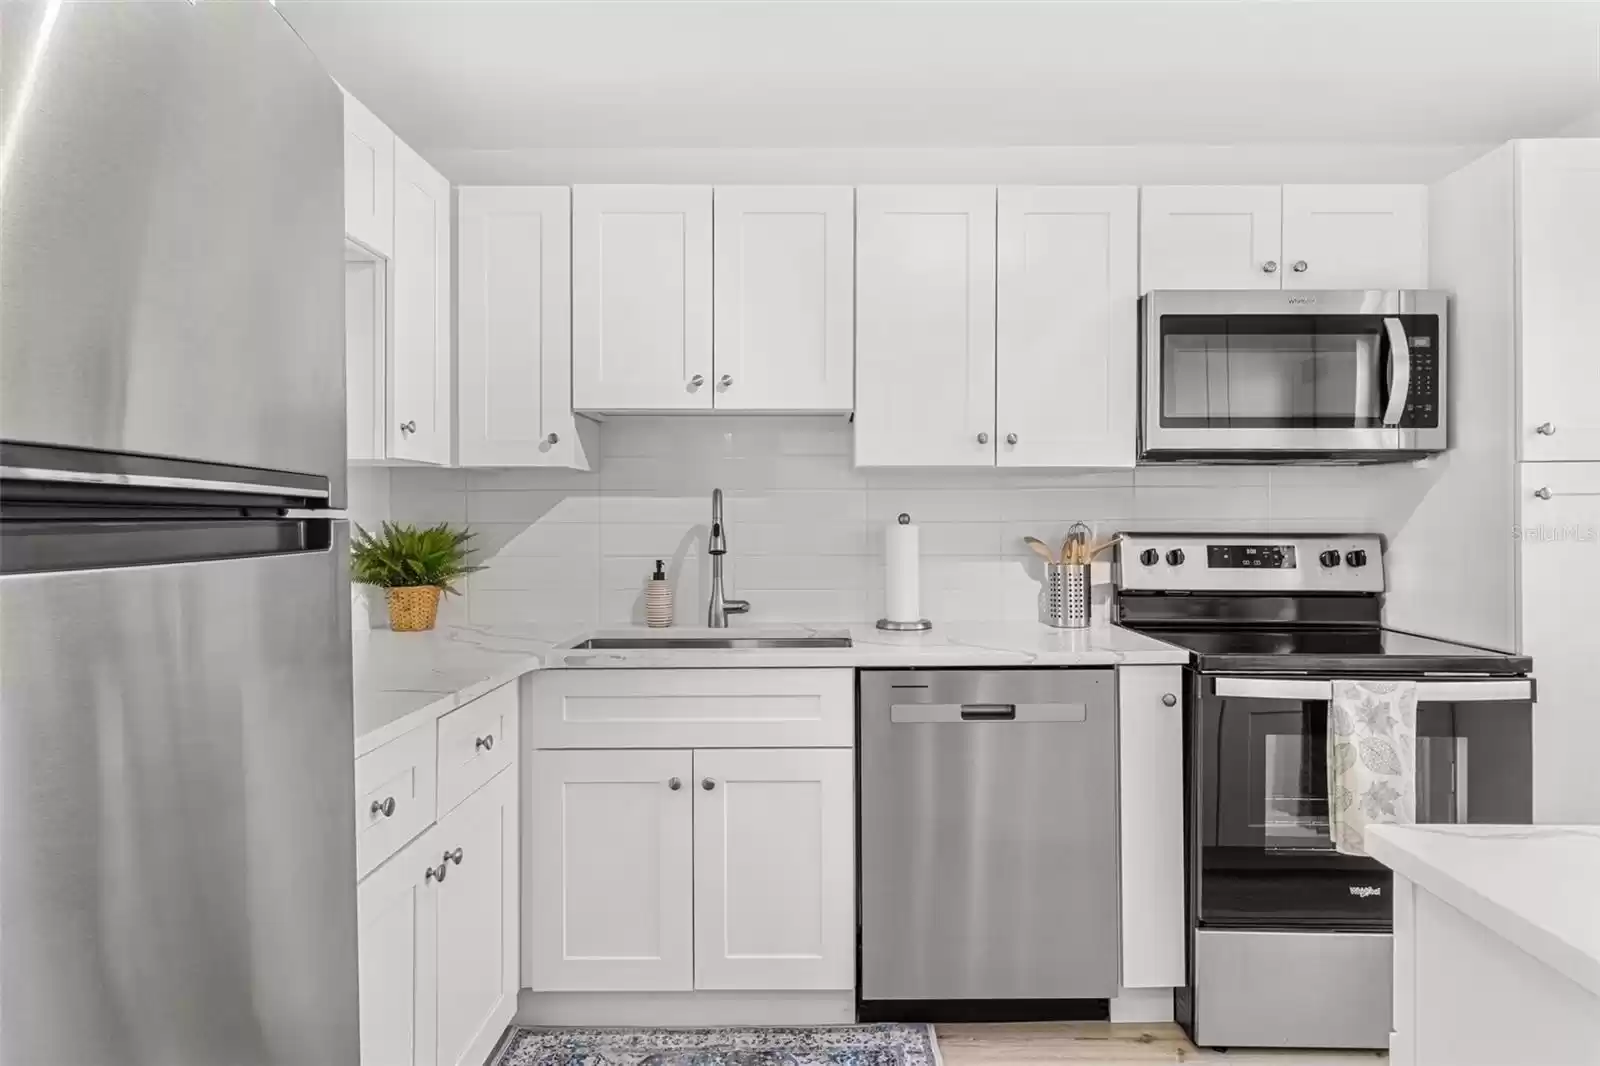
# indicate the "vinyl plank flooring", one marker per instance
pixel 1111 1044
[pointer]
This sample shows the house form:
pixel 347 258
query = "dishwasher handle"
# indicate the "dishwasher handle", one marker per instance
pixel 957 713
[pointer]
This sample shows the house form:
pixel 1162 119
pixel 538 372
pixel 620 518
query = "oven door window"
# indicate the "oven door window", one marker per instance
pixel 1274 371
pixel 1265 847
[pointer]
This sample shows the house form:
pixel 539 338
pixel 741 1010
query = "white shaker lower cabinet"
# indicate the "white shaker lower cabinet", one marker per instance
pixel 774 861
pixel 610 875
pixel 1067 332
pixel 925 318
pixel 398 967
pixel 514 361
pixel 1150 786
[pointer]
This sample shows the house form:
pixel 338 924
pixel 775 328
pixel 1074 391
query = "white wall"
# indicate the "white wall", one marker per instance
pixel 1586 126
pixel 804 526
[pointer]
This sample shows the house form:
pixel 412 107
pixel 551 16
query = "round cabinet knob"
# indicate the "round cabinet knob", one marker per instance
pixel 436 874
pixel 726 380
pixel 384 807
pixel 1149 557
pixel 708 784
pixel 696 381
pixel 1169 700
pixel 1299 266
pixel 1545 429
pixel 1356 557
pixel 453 856
pixel 553 438
pixel 409 427
pixel 674 784
pixel 1175 557
pixel 1269 267
pixel 1011 438
pixel 1542 493
pixel 983 438
pixel 1329 558
pixel 484 744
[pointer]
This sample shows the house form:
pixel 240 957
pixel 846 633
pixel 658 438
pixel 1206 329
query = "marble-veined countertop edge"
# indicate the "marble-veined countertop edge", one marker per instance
pixel 405 679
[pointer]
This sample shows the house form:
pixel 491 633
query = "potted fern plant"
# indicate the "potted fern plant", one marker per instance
pixel 413 566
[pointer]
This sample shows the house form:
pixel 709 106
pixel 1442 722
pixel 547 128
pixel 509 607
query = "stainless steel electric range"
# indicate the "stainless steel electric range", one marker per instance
pixel 1289 940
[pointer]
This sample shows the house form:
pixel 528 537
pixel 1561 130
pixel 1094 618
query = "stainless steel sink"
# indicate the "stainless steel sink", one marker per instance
pixel 708 643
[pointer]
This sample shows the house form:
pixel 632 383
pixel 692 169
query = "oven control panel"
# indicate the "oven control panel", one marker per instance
pixel 1250 563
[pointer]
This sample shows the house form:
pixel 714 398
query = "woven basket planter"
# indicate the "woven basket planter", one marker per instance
pixel 413 609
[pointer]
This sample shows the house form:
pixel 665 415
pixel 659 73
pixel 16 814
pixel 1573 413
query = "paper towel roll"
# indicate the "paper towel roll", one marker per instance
pixel 902 584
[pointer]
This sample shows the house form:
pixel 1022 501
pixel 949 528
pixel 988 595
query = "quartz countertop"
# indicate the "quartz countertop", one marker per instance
pixel 402 679
pixel 1536 886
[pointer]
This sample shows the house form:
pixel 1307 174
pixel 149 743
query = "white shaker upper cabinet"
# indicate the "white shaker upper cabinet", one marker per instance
pixel 641 298
pixel 1355 237
pixel 419 352
pixel 925 321
pixel 1210 237
pixel 368 178
pixel 774 856
pixel 610 896
pixel 1558 284
pixel 1067 351
pixel 514 363
pixel 784 295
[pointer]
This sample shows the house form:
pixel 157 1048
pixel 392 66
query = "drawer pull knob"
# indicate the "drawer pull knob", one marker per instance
pixel 1169 700
pixel 451 856
pixel 1545 429
pixel 1269 267
pixel 708 784
pixel 674 784
pixel 384 807
pixel 484 744
pixel 436 874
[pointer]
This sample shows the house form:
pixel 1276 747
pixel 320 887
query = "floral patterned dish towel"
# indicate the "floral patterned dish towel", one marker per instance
pixel 1372 759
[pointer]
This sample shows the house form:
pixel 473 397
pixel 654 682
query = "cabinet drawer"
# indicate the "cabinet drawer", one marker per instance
pixel 475 743
pixel 395 795
pixel 693 709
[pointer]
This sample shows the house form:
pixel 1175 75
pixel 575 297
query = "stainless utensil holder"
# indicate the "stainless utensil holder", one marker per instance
pixel 1064 600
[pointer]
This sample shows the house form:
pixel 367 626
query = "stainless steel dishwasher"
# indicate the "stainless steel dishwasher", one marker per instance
pixel 988 835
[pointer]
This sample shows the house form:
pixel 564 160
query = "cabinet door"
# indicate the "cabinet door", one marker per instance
pixel 774 864
pixel 397 909
pixel 1558 550
pixel 366 352
pixel 1558 286
pixel 1210 237
pixel 784 298
pixel 1355 237
pixel 641 297
pixel 925 312
pixel 1067 336
pixel 514 368
pixel 610 896
pixel 419 352
pixel 368 178
pixel 1150 813
pixel 478 922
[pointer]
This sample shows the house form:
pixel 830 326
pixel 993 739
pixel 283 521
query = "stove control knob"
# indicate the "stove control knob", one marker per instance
pixel 1149 557
pixel 1356 557
pixel 1175 557
pixel 1329 558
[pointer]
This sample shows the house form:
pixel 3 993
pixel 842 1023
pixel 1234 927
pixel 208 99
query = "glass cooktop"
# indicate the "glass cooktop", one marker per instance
pixel 1314 649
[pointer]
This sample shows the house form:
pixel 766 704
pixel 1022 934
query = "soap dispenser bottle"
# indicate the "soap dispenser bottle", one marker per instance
pixel 658 599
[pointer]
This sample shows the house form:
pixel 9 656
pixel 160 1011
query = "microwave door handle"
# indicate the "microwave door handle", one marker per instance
pixel 1399 371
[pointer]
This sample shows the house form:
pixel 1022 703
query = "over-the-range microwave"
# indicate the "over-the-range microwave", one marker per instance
pixel 1280 377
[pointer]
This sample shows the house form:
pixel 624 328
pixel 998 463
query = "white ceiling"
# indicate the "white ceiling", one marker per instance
pixel 565 79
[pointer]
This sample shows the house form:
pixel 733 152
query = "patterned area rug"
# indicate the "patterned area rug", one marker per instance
pixel 850 1045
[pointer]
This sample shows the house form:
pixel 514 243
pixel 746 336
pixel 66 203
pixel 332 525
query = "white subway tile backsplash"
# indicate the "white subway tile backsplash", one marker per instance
pixel 805 528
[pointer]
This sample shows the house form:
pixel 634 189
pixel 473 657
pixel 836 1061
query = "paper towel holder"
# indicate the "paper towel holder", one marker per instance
pixel 904 627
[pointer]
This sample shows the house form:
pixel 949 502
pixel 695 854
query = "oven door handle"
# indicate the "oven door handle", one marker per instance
pixel 1399 371
pixel 1278 688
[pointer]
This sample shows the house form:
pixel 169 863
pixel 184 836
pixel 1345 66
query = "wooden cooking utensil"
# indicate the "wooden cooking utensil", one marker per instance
pixel 1040 548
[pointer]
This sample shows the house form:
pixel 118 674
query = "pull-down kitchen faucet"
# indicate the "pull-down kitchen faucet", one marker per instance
pixel 717 547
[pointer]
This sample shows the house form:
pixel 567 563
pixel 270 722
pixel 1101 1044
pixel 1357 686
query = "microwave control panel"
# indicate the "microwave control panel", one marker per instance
pixel 1424 402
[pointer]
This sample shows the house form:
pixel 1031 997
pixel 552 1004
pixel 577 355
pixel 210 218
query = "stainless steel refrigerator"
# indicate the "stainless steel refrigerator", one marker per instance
pixel 176 806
